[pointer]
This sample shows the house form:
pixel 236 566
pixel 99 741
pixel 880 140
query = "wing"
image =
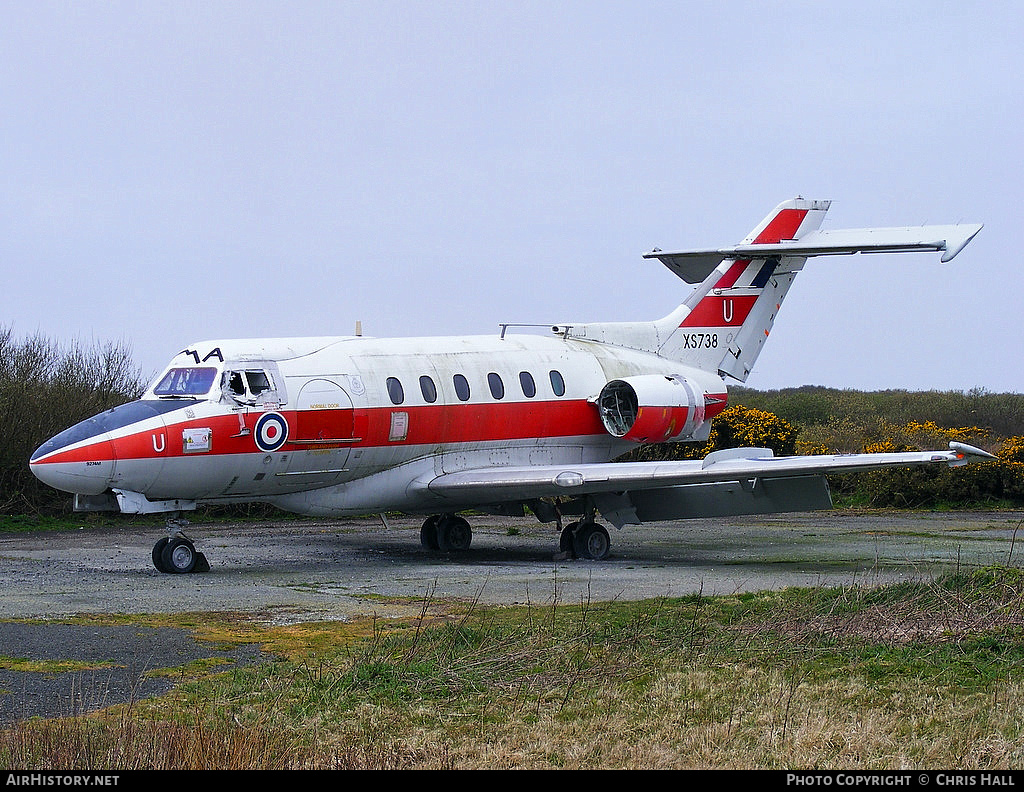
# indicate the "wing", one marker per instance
pixel 625 487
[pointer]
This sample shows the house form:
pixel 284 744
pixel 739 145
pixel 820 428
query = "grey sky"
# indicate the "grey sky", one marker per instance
pixel 183 171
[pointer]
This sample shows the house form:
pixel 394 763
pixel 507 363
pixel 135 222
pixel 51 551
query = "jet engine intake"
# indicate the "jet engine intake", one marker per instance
pixel 654 408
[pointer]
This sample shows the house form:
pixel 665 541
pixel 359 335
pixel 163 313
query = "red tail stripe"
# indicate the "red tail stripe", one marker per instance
pixel 783 226
pixel 720 311
pixel 728 280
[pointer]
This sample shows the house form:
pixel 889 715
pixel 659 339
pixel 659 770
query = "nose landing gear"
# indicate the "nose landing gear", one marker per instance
pixel 175 553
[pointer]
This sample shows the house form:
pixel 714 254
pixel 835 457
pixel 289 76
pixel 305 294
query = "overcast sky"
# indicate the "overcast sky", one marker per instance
pixel 181 171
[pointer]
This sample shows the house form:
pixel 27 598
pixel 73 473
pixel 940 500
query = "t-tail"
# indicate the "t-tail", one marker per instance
pixel 724 323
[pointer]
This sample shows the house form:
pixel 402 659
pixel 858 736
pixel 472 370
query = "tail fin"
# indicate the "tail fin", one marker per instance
pixel 723 324
pixel 725 321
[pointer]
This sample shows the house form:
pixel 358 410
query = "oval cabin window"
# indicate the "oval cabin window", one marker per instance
pixel 527 384
pixel 395 391
pixel 461 387
pixel 557 383
pixel 428 389
pixel 496 385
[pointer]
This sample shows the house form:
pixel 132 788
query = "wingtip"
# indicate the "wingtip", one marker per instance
pixel 969 450
pixel 951 252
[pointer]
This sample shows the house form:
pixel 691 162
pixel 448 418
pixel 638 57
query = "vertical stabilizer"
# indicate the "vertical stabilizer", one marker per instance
pixel 724 323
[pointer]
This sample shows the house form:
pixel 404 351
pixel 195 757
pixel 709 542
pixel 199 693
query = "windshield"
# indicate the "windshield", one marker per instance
pixel 186 382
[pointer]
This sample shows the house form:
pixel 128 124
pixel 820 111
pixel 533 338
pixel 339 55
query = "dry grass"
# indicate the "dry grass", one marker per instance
pixel 910 676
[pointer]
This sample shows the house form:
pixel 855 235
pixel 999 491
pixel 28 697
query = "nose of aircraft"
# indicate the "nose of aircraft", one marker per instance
pixel 79 459
pixel 84 458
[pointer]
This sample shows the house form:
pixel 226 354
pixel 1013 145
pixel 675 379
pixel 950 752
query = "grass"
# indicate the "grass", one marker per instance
pixel 19 523
pixel 925 675
pixel 48 666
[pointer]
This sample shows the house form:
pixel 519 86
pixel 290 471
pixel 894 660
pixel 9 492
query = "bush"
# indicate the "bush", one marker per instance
pixel 1012 450
pixel 45 387
pixel 866 430
pixel 984 483
pixel 735 427
pixel 1002 414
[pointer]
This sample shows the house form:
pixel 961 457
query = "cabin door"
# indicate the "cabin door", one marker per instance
pixel 322 436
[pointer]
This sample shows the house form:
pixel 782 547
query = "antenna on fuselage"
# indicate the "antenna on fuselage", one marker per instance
pixel 359 328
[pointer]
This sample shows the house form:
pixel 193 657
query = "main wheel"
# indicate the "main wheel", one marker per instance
pixel 179 556
pixel 592 541
pixel 567 539
pixel 428 532
pixel 453 534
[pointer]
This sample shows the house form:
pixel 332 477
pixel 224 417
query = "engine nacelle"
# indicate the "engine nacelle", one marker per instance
pixel 655 408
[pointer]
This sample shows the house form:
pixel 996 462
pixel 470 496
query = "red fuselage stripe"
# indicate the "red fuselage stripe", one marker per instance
pixel 422 425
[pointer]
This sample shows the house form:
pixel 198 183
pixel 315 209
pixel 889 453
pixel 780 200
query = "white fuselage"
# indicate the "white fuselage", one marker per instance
pixel 347 425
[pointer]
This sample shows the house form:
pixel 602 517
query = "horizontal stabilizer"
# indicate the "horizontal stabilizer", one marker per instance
pixel 695 265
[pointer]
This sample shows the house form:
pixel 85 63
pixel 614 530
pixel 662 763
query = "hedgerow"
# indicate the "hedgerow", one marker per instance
pixel 996 483
pixel 45 387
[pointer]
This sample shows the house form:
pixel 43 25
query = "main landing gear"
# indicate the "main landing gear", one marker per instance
pixel 450 533
pixel 175 553
pixel 446 532
pixel 584 539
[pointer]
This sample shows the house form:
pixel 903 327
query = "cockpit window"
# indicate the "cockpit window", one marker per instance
pixel 258 382
pixel 236 383
pixel 186 382
pixel 247 385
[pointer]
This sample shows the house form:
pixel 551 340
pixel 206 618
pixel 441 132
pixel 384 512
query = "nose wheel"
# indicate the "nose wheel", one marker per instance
pixel 176 555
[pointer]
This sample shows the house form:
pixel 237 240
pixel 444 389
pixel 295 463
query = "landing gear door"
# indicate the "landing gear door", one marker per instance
pixel 322 435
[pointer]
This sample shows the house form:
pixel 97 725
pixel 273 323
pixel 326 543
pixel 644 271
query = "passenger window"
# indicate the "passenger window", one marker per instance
pixel 557 383
pixel 461 387
pixel 496 385
pixel 527 384
pixel 395 391
pixel 428 389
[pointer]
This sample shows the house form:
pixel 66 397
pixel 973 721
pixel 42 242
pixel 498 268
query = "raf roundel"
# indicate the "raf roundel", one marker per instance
pixel 271 431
